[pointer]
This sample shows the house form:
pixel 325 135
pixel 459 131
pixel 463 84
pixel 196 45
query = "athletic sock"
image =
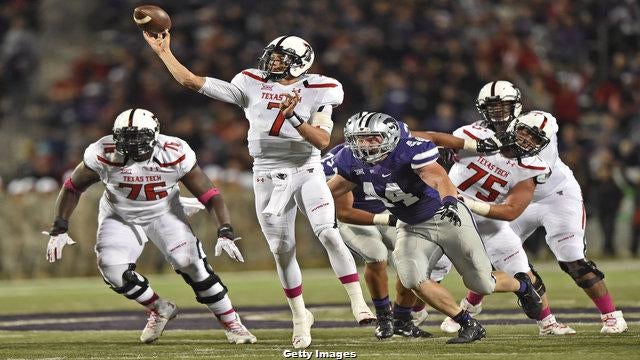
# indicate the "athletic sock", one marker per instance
pixel 382 305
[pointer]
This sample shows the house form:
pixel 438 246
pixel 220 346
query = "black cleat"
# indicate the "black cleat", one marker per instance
pixel 470 331
pixel 384 328
pixel 406 328
pixel 530 300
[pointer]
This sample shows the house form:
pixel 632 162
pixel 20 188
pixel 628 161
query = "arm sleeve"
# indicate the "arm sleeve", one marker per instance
pixel 228 92
pixel 424 154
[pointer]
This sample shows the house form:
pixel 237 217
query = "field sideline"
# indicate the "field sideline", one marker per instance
pixel 90 305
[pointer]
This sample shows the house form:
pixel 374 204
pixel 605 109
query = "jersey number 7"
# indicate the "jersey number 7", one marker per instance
pixel 277 124
pixel 487 185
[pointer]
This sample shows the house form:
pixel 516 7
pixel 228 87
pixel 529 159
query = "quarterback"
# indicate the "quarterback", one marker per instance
pixel 289 114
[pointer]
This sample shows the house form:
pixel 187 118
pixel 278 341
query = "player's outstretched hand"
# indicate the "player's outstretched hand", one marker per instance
pixel 55 245
pixel 226 242
pixel 158 43
pixel 489 145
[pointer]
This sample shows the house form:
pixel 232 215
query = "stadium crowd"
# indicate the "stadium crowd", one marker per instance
pixel 420 61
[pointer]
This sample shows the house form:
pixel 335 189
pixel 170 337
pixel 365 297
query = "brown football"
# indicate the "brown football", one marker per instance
pixel 151 19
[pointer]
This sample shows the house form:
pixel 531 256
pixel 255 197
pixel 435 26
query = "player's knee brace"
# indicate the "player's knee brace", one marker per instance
pixel 538 284
pixel 209 290
pixel 579 269
pixel 133 284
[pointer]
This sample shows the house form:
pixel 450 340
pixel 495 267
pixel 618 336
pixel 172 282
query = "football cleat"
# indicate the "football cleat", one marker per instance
pixel 384 328
pixel 613 323
pixel 363 315
pixel 406 328
pixel 470 331
pixel 549 326
pixel 530 301
pixel 237 333
pixel 302 331
pixel 451 326
pixel 162 312
pixel 418 317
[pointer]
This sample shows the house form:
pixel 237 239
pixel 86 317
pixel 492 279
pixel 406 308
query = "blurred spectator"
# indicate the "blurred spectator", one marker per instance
pixel 607 196
pixel 421 61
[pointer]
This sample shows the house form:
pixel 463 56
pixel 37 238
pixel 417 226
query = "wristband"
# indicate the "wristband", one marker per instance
pixel 204 198
pixel 478 207
pixel 381 219
pixel 295 120
pixel 449 200
pixel 226 231
pixel 470 145
pixel 59 226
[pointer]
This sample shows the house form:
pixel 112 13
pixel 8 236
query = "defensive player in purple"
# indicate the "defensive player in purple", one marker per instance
pixel 404 175
pixel 368 229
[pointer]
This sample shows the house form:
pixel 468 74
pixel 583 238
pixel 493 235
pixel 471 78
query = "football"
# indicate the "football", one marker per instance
pixel 152 19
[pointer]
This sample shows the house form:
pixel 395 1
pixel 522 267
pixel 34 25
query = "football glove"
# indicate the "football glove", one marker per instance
pixel 226 242
pixel 57 241
pixel 449 210
pixel 447 157
pixel 488 145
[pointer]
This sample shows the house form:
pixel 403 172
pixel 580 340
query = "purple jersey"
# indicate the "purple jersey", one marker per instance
pixel 394 181
pixel 361 200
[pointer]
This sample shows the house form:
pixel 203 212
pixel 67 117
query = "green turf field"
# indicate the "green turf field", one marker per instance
pixel 321 286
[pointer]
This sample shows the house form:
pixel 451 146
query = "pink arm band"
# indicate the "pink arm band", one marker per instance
pixel 204 198
pixel 69 185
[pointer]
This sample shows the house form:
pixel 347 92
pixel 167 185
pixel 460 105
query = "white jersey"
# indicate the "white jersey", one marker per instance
pixel 490 177
pixel 273 142
pixel 561 175
pixel 141 191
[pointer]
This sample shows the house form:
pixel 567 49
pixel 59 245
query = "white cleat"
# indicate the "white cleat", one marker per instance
pixel 363 315
pixel 613 323
pixel 450 326
pixel 418 317
pixel 159 316
pixel 302 331
pixel 237 333
pixel 549 326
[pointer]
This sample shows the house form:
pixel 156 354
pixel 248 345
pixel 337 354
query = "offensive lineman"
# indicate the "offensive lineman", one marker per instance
pixel 289 113
pixel 498 187
pixel 403 174
pixel 557 205
pixel 140 169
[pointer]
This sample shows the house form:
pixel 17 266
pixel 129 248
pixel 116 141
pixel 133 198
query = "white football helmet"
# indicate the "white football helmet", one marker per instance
pixel 499 102
pixel 528 134
pixel 295 54
pixel 367 124
pixel 135 133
